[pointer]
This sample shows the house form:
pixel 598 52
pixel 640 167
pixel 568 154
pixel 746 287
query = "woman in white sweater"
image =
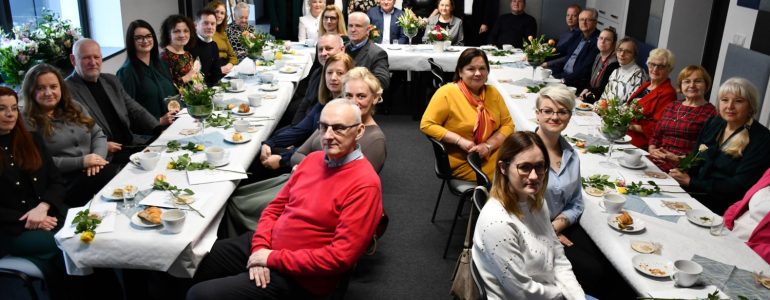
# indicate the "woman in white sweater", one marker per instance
pixel 514 246
pixel 629 76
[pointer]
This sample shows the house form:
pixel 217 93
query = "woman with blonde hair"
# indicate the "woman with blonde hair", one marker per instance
pixel 734 148
pixel 514 246
pixel 333 21
pixel 311 22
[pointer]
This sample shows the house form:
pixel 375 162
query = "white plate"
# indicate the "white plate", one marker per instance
pixel 236 91
pixel 624 140
pixel 394 47
pixel 701 217
pixel 488 47
pixel 641 165
pixel 136 220
pixel 107 194
pixel 552 80
pixel 588 107
pixel 288 70
pixel 220 163
pixel 452 49
pixel 269 87
pixel 596 193
pixel 644 246
pixel 236 112
pixel 653 265
pixel 229 138
pixel 636 227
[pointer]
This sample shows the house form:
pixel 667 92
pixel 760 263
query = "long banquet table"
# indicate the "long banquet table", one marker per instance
pixel 132 247
pixel 679 240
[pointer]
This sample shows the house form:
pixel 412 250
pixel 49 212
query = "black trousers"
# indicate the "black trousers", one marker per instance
pixel 223 275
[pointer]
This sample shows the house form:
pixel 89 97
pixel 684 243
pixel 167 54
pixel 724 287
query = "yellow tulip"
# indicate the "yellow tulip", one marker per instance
pixel 278 55
pixel 199 147
pixel 170 166
pixel 622 190
pixel 87 237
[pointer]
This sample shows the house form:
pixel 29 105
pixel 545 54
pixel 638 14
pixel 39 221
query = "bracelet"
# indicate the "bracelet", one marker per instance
pixel 489 147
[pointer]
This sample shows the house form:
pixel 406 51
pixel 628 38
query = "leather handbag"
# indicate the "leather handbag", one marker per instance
pixel 463 286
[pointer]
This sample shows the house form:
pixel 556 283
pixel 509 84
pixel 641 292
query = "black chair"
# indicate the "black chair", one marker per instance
pixel 478 281
pixel 438 74
pixel 460 188
pixel 480 196
pixel 474 159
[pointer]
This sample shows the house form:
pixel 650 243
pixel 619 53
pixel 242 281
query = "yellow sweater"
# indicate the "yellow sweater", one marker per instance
pixel 450 111
pixel 225 49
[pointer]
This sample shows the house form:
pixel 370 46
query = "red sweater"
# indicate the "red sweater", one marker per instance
pixel 653 104
pixel 320 222
pixel 760 237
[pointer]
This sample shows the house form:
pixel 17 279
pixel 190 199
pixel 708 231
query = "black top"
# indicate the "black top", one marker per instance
pixel 512 29
pixel 310 99
pixel 208 54
pixel 422 8
pixel 23 191
pixel 119 133
pixel 442 25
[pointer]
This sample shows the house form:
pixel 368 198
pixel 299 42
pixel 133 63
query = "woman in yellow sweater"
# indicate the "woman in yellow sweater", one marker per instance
pixel 227 54
pixel 468 116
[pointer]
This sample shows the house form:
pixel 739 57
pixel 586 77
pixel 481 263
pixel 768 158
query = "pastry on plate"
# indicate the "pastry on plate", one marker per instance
pixel 243 108
pixel 624 220
pixel 237 137
pixel 150 214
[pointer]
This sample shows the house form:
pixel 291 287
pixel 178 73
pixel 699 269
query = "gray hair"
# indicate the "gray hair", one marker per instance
pixel 663 54
pixel 345 102
pixel 79 43
pixel 559 94
pixel 339 38
pixel 358 13
pixel 594 13
pixel 239 7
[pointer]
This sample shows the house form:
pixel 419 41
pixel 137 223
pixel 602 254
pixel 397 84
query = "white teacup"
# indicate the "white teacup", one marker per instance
pixel 686 272
pixel 545 73
pixel 255 100
pixel 507 47
pixel 241 125
pixel 266 77
pixel 236 84
pixel 633 157
pixel 173 220
pixel 613 203
pixel 147 160
pixel 215 154
pixel 310 42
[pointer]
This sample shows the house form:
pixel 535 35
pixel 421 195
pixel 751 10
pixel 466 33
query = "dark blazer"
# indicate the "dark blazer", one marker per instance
pixel 581 71
pixel 396 33
pixel 375 59
pixel 720 178
pixel 285 18
pixel 131 113
pixel 484 13
pixel 47 185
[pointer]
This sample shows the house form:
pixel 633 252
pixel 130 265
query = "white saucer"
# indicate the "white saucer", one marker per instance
pixel 452 49
pixel 269 87
pixel 236 91
pixel 624 140
pixel 229 138
pixel 236 112
pixel 393 47
pixel 288 70
pixel 136 220
pixel 552 80
pixel 701 217
pixel 641 165
pixel 107 194
pixel 653 265
pixel 590 107
pixel 636 227
pixel 220 163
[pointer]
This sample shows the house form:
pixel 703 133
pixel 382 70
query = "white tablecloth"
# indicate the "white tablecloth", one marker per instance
pixel 152 249
pixel 680 240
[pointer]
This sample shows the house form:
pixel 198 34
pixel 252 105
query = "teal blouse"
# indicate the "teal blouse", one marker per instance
pixel 154 85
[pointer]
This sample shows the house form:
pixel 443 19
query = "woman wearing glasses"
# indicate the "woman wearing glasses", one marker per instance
pixel 144 75
pixel 468 116
pixel 628 76
pixel 605 64
pixel 654 96
pixel 678 129
pixel 737 149
pixel 333 21
pixel 515 248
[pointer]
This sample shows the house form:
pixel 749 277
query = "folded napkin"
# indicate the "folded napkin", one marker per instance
pixel 226 173
pixel 164 199
pixel 107 210
pixel 636 204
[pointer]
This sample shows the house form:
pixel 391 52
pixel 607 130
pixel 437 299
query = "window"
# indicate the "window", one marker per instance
pixel 25 11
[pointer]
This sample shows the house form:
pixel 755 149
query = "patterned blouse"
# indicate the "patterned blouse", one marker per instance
pixel 624 81
pixel 677 131
pixel 234 32
pixel 361 5
pixel 179 64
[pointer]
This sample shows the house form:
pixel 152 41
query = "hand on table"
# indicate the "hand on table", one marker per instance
pixel 681 177
pixel 227 68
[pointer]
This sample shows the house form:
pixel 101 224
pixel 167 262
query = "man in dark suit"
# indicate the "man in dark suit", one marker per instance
pixel 364 52
pixel 284 18
pixel 513 28
pixel 109 104
pixel 384 17
pixel 575 66
pixel 478 17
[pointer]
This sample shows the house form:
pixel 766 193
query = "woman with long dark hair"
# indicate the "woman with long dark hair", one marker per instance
pixel 76 143
pixel 144 75
pixel 176 33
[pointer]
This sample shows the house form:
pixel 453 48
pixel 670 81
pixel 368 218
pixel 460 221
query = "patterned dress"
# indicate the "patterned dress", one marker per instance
pixel 361 5
pixel 234 32
pixel 678 128
pixel 179 65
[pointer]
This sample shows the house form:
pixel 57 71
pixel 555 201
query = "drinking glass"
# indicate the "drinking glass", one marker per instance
pixel 410 33
pixel 200 113
pixel 129 193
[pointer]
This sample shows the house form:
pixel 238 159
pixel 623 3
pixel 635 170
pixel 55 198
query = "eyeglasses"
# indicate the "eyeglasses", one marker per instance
pixel 338 129
pixel 330 18
pixel 651 66
pixel 142 38
pixel 547 112
pixel 525 169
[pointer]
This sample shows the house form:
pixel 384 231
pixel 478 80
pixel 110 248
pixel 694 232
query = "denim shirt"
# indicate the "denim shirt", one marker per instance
pixel 564 193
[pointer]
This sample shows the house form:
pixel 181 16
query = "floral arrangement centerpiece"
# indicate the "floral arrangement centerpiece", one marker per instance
pixel 438 36
pixel 15 57
pixel 538 50
pixel 198 97
pixel 411 23
pixel 374 33
pixel 254 43
pixel 692 159
pixel 617 116
pixel 55 37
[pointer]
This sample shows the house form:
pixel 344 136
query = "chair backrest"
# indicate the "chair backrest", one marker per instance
pixel 480 196
pixel 438 73
pixel 474 159
pixel 478 281
pixel 443 170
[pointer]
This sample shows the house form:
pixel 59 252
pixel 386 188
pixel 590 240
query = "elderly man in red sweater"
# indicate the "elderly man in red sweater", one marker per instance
pixel 312 232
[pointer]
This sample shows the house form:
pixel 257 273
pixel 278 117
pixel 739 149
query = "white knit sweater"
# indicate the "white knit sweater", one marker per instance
pixel 521 258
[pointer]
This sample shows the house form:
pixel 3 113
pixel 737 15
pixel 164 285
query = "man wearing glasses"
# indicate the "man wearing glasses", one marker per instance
pixel 579 52
pixel 312 232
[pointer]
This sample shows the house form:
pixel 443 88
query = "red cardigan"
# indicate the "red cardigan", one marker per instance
pixel 320 222
pixel 653 104
pixel 760 237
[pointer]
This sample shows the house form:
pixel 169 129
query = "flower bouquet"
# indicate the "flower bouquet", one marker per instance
pixel 538 50
pixel 197 95
pixel 616 117
pixel 438 36
pixel 55 37
pixel 15 57
pixel 692 159
pixel 254 43
pixel 374 33
pixel 411 23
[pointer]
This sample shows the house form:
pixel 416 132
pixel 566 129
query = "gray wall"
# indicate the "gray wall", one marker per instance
pixel 687 33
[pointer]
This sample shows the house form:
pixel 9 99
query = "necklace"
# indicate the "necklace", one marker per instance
pixel 679 117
